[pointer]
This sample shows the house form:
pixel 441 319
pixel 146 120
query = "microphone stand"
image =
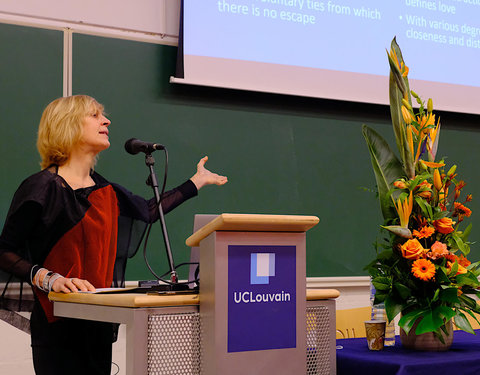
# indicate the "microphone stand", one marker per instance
pixel 153 182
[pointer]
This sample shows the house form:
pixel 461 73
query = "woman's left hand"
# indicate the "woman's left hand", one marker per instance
pixel 205 177
pixel 67 285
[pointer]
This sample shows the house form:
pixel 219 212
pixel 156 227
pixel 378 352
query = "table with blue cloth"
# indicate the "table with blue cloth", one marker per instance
pixel 463 358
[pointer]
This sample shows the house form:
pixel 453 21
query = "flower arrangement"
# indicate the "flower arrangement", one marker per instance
pixel 421 270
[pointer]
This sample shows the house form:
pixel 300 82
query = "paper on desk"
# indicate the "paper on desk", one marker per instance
pixel 108 290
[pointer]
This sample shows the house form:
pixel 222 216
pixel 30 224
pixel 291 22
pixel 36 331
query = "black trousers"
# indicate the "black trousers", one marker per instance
pixel 70 346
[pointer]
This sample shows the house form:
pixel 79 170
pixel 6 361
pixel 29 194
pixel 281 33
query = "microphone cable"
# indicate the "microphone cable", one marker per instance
pixel 161 277
pixel 149 227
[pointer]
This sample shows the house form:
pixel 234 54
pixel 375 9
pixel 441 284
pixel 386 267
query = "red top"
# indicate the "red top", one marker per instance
pixel 88 250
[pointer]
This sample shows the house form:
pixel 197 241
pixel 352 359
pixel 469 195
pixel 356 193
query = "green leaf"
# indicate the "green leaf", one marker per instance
pixel 474 268
pixel 425 207
pixel 466 232
pixel 449 295
pixel 398 89
pixel 385 254
pixel 396 76
pixel 421 204
pixel 444 312
pixel 454 269
pixel 469 303
pixel 430 323
pixel 394 45
pixel 382 283
pixel 468 279
pixel 386 167
pixel 399 129
pixel 380 297
pixel 469 312
pixel 393 307
pixel 408 320
pixel 462 322
pixel 441 276
pixel 417 180
pixel 459 243
pixel 439 215
pixel 403 291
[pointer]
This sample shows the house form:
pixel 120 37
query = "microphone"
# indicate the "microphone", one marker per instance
pixel 134 146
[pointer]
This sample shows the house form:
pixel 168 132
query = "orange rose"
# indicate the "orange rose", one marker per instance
pixel 438 250
pixel 444 225
pixel 412 249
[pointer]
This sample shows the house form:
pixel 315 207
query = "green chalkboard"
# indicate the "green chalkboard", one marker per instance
pixel 30 77
pixel 282 154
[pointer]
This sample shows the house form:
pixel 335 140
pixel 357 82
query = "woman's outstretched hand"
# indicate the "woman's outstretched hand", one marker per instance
pixel 205 177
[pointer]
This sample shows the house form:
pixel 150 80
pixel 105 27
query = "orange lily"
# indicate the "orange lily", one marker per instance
pixel 432 140
pixel 437 180
pixel 414 130
pixel 407 116
pixel 426 120
pixel 410 139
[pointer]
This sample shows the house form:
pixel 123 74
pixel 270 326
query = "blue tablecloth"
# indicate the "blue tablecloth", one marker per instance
pixel 463 358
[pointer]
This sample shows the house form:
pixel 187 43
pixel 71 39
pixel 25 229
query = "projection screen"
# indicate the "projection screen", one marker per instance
pixel 334 49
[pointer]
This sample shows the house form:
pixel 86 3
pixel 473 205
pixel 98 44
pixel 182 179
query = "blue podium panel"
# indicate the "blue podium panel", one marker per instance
pixel 252 303
pixel 261 297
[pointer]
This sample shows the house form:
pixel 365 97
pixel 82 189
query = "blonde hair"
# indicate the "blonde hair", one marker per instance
pixel 60 127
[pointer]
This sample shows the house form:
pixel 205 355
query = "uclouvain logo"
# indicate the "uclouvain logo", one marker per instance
pixel 262 267
pixel 262 297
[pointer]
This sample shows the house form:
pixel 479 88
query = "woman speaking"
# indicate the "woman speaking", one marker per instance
pixel 66 231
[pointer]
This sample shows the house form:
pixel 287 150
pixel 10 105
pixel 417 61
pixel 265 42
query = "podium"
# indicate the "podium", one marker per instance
pixel 253 293
pixel 177 334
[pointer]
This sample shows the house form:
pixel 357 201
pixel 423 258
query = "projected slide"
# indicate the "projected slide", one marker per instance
pixel 440 39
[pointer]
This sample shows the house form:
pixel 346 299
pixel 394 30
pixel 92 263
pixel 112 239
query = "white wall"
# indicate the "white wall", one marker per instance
pixel 155 21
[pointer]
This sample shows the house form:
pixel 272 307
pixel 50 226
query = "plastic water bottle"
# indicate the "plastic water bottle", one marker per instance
pixel 379 313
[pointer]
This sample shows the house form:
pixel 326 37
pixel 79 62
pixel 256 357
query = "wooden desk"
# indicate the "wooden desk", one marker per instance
pixel 163 331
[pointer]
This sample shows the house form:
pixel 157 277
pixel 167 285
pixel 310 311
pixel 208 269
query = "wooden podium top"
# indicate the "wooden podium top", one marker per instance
pixel 163 300
pixel 253 223
pixel 127 299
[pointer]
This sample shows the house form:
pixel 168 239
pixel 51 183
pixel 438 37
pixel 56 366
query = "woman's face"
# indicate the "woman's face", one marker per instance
pixel 95 131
